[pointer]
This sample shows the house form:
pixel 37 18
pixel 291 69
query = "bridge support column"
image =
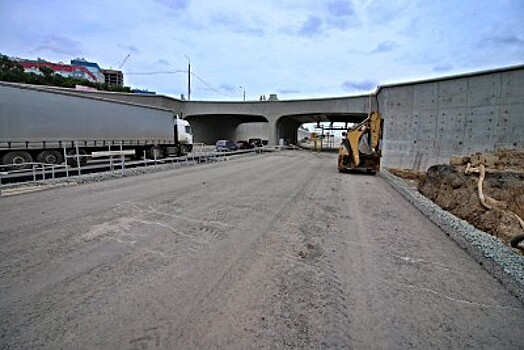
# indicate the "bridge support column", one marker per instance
pixel 273 133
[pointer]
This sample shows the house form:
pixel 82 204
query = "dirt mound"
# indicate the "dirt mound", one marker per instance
pixel 457 193
pixel 454 191
pixel 510 160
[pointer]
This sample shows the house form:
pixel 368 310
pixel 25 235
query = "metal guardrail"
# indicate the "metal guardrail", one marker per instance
pixel 41 172
pixel 36 169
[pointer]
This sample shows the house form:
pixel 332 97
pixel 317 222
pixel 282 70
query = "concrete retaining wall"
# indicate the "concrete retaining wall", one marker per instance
pixel 427 122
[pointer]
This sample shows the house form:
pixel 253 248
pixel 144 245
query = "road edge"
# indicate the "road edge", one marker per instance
pixel 498 259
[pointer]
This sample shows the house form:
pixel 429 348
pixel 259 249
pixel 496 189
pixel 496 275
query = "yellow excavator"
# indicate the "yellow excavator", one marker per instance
pixel 361 145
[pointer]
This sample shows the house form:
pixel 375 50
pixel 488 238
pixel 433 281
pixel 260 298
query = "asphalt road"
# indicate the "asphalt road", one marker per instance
pixel 273 251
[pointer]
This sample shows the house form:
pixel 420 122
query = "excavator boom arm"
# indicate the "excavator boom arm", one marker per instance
pixel 361 146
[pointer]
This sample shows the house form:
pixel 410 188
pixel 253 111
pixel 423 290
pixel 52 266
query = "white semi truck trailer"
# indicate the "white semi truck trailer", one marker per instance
pixel 36 125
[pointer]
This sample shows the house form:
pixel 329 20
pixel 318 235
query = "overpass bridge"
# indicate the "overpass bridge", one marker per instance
pixel 425 121
pixel 282 118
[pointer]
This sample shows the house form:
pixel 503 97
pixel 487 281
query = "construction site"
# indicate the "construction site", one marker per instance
pixel 408 237
pixel 486 190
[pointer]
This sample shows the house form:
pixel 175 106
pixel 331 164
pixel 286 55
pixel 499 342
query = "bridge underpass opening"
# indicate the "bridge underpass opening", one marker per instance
pixel 208 128
pixel 287 126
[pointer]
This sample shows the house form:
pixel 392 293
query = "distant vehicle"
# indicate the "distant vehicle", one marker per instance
pixel 265 142
pixel 225 146
pixel 256 142
pixel 243 144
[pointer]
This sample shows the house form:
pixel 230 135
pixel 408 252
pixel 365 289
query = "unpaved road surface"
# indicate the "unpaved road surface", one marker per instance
pixel 270 252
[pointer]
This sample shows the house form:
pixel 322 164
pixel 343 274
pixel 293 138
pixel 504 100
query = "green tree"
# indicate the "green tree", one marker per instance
pixel 46 71
pixel 10 70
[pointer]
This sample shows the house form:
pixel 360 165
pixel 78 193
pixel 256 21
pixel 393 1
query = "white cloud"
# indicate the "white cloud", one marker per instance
pixel 298 48
pixel 58 45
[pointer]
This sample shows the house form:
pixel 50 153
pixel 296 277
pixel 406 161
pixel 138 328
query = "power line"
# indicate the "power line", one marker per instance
pixel 208 85
pixel 212 87
pixel 158 72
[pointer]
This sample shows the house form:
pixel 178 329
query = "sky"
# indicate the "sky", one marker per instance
pixel 293 48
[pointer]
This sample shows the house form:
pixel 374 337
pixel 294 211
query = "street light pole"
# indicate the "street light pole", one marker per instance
pixel 243 92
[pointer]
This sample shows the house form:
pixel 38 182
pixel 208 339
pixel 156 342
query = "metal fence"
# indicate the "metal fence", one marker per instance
pixel 113 161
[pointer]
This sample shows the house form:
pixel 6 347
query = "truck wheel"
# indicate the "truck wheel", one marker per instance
pixel 176 151
pixel 72 153
pixel 18 158
pixel 50 157
pixel 159 151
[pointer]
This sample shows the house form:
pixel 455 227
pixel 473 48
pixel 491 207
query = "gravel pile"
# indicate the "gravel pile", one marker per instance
pixel 497 258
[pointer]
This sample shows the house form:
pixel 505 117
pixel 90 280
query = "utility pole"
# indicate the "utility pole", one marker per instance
pixel 189 81
pixel 188 78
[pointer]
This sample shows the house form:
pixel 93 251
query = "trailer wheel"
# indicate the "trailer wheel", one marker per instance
pixel 18 158
pixel 49 157
pixel 72 153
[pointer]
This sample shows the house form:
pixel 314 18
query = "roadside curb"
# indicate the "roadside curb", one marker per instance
pixel 498 259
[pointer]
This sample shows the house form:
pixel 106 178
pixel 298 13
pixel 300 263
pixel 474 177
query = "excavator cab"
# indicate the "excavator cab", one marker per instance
pixel 361 145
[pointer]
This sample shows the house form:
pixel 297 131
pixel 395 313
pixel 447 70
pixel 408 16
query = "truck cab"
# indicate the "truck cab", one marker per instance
pixel 183 135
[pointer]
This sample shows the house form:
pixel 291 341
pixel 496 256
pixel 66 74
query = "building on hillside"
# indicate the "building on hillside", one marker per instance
pixel 93 67
pixel 79 68
pixel 65 70
pixel 113 77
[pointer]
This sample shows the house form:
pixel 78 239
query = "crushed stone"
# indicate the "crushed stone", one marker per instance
pixel 496 257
